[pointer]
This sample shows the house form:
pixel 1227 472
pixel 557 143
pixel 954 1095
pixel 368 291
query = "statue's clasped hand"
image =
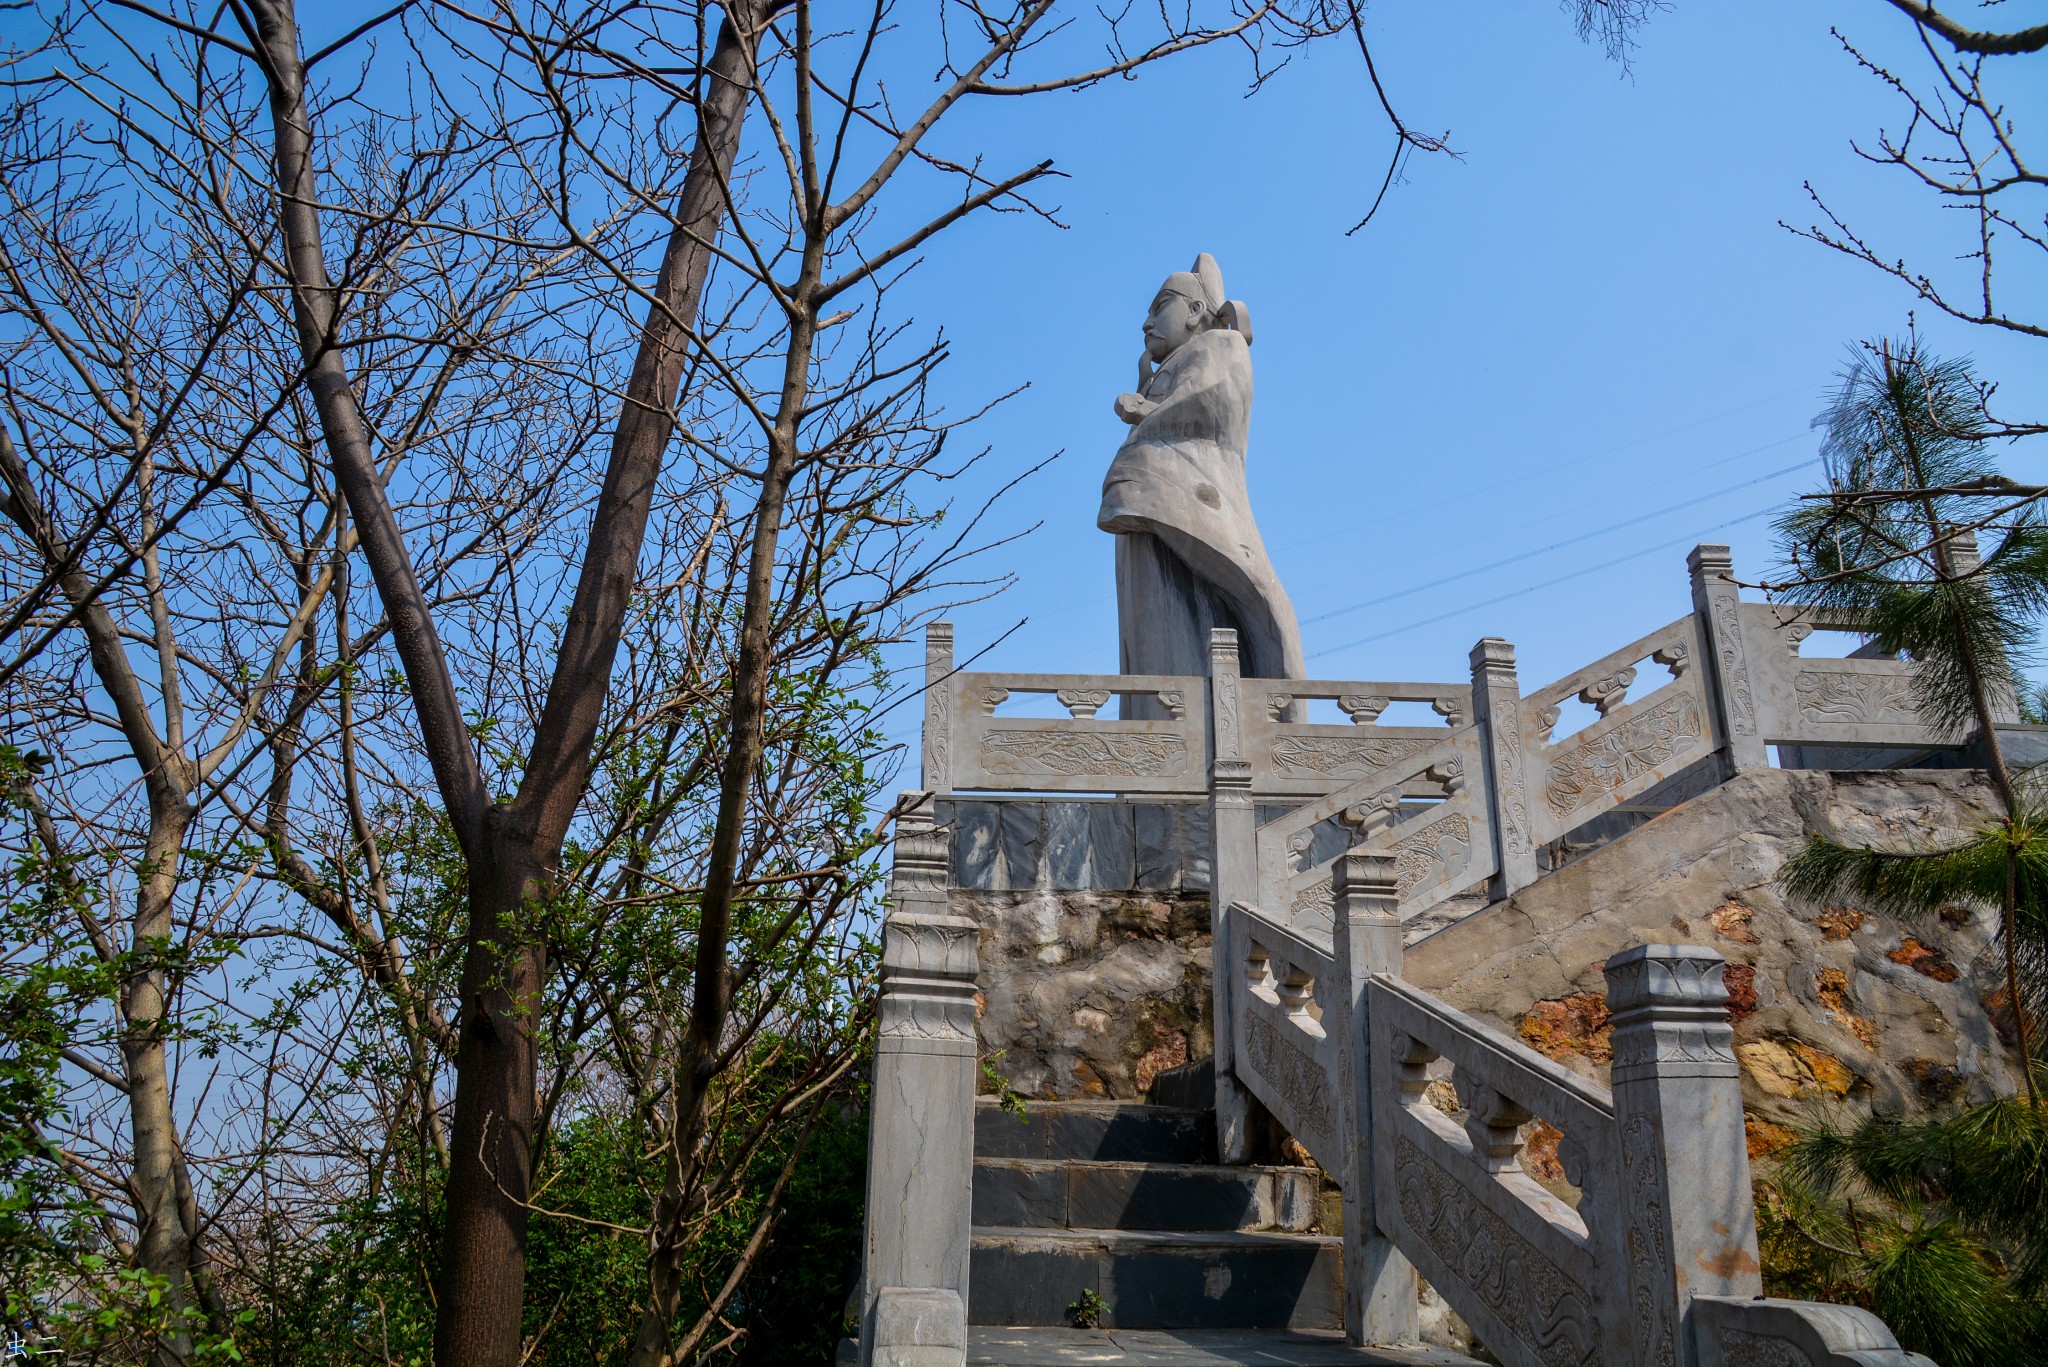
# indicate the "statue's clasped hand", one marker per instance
pixel 1133 408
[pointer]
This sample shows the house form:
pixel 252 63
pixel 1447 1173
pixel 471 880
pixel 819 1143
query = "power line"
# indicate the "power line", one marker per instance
pixel 1548 583
pixel 1558 545
pixel 1409 509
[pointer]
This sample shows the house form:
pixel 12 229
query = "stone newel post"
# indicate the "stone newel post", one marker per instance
pixel 1379 1282
pixel 937 766
pixel 921 1137
pixel 1497 707
pixel 1686 1226
pixel 1717 604
pixel 1233 878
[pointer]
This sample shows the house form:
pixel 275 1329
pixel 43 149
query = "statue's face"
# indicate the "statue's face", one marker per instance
pixel 1174 318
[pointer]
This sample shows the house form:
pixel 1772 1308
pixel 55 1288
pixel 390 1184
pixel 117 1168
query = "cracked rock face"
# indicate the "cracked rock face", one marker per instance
pixel 1832 1004
pixel 1091 994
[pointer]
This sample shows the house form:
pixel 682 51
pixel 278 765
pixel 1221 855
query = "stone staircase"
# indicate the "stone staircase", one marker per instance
pixel 1127 1201
pixel 1078 844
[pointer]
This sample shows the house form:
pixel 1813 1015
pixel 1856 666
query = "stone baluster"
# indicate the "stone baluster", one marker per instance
pixel 1493 1121
pixel 1717 604
pixel 937 772
pixel 1683 1217
pixel 1233 877
pixel 921 1146
pixel 1497 708
pixel 1380 1287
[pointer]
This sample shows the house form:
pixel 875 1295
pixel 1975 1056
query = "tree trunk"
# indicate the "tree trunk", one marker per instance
pixel 164 1244
pixel 1994 752
pixel 511 850
pixel 481 1287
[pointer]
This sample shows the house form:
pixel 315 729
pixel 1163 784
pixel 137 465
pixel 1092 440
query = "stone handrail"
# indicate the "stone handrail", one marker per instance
pixel 1655 1262
pixel 1286 1052
pixel 1736 685
pixel 1857 699
pixel 1442 848
pixel 1636 744
pixel 1294 757
pixel 968 748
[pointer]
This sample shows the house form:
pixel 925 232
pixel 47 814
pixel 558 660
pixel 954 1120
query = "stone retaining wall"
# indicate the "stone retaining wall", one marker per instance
pixel 1094 939
pixel 1095 948
pixel 1833 1005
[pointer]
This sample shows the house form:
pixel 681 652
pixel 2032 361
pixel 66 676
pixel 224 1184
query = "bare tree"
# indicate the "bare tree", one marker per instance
pixel 514 848
pixel 634 677
pixel 1960 142
pixel 175 544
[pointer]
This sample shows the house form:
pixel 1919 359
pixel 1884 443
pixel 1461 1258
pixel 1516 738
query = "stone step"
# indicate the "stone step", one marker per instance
pixel 1157 1279
pixel 1057 1193
pixel 1104 1131
pixel 990 1346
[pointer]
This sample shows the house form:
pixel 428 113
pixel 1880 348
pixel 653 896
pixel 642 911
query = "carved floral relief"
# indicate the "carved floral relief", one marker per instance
pixel 1341 756
pixel 1582 774
pixel 1855 699
pixel 1494 1264
pixel 1113 754
pixel 1293 1073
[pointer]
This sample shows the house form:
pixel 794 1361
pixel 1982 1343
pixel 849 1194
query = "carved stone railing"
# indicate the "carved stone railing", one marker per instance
pixel 1442 848
pixel 1862 699
pixel 1291 757
pixel 1657 1261
pixel 1648 729
pixel 1726 679
pixel 967 747
pixel 1301 1046
pixel 1286 1035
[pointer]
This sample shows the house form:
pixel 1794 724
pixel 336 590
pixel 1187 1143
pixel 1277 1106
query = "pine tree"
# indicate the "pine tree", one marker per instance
pixel 1893 546
pixel 1940 1224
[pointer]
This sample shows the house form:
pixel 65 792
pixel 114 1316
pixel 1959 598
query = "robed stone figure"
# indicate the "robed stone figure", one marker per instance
pixel 1188 554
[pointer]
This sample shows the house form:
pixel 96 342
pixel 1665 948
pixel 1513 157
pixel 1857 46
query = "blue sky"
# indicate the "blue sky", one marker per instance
pixel 1592 319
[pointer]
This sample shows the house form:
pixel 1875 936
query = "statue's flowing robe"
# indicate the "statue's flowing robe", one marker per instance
pixel 1188 553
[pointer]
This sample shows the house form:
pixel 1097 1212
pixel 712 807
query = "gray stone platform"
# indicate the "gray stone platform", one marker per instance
pixel 1158 1279
pixel 1055 1193
pixel 988 1347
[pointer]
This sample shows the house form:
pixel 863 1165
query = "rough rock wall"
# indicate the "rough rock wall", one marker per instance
pixel 1095 945
pixel 1094 938
pixel 1832 1004
pixel 1092 994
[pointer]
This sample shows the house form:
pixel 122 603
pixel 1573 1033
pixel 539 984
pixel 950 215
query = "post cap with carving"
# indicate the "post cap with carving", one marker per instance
pixel 1666 976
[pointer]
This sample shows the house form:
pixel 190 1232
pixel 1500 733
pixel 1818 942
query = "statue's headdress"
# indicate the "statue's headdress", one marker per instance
pixel 1203 284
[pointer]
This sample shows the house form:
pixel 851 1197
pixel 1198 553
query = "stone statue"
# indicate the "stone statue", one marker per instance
pixel 1188 554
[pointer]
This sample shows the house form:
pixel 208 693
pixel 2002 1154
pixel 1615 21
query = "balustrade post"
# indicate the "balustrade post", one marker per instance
pixel 1965 558
pixel 936 773
pixel 1497 707
pixel 921 1116
pixel 1380 1289
pixel 1686 1221
pixel 1717 604
pixel 1233 877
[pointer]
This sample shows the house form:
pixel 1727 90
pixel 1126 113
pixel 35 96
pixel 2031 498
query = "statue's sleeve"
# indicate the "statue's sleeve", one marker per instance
pixel 1204 394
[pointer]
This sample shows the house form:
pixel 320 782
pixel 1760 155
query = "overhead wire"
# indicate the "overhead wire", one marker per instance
pixel 1548 583
pixel 1516 559
pixel 1409 509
